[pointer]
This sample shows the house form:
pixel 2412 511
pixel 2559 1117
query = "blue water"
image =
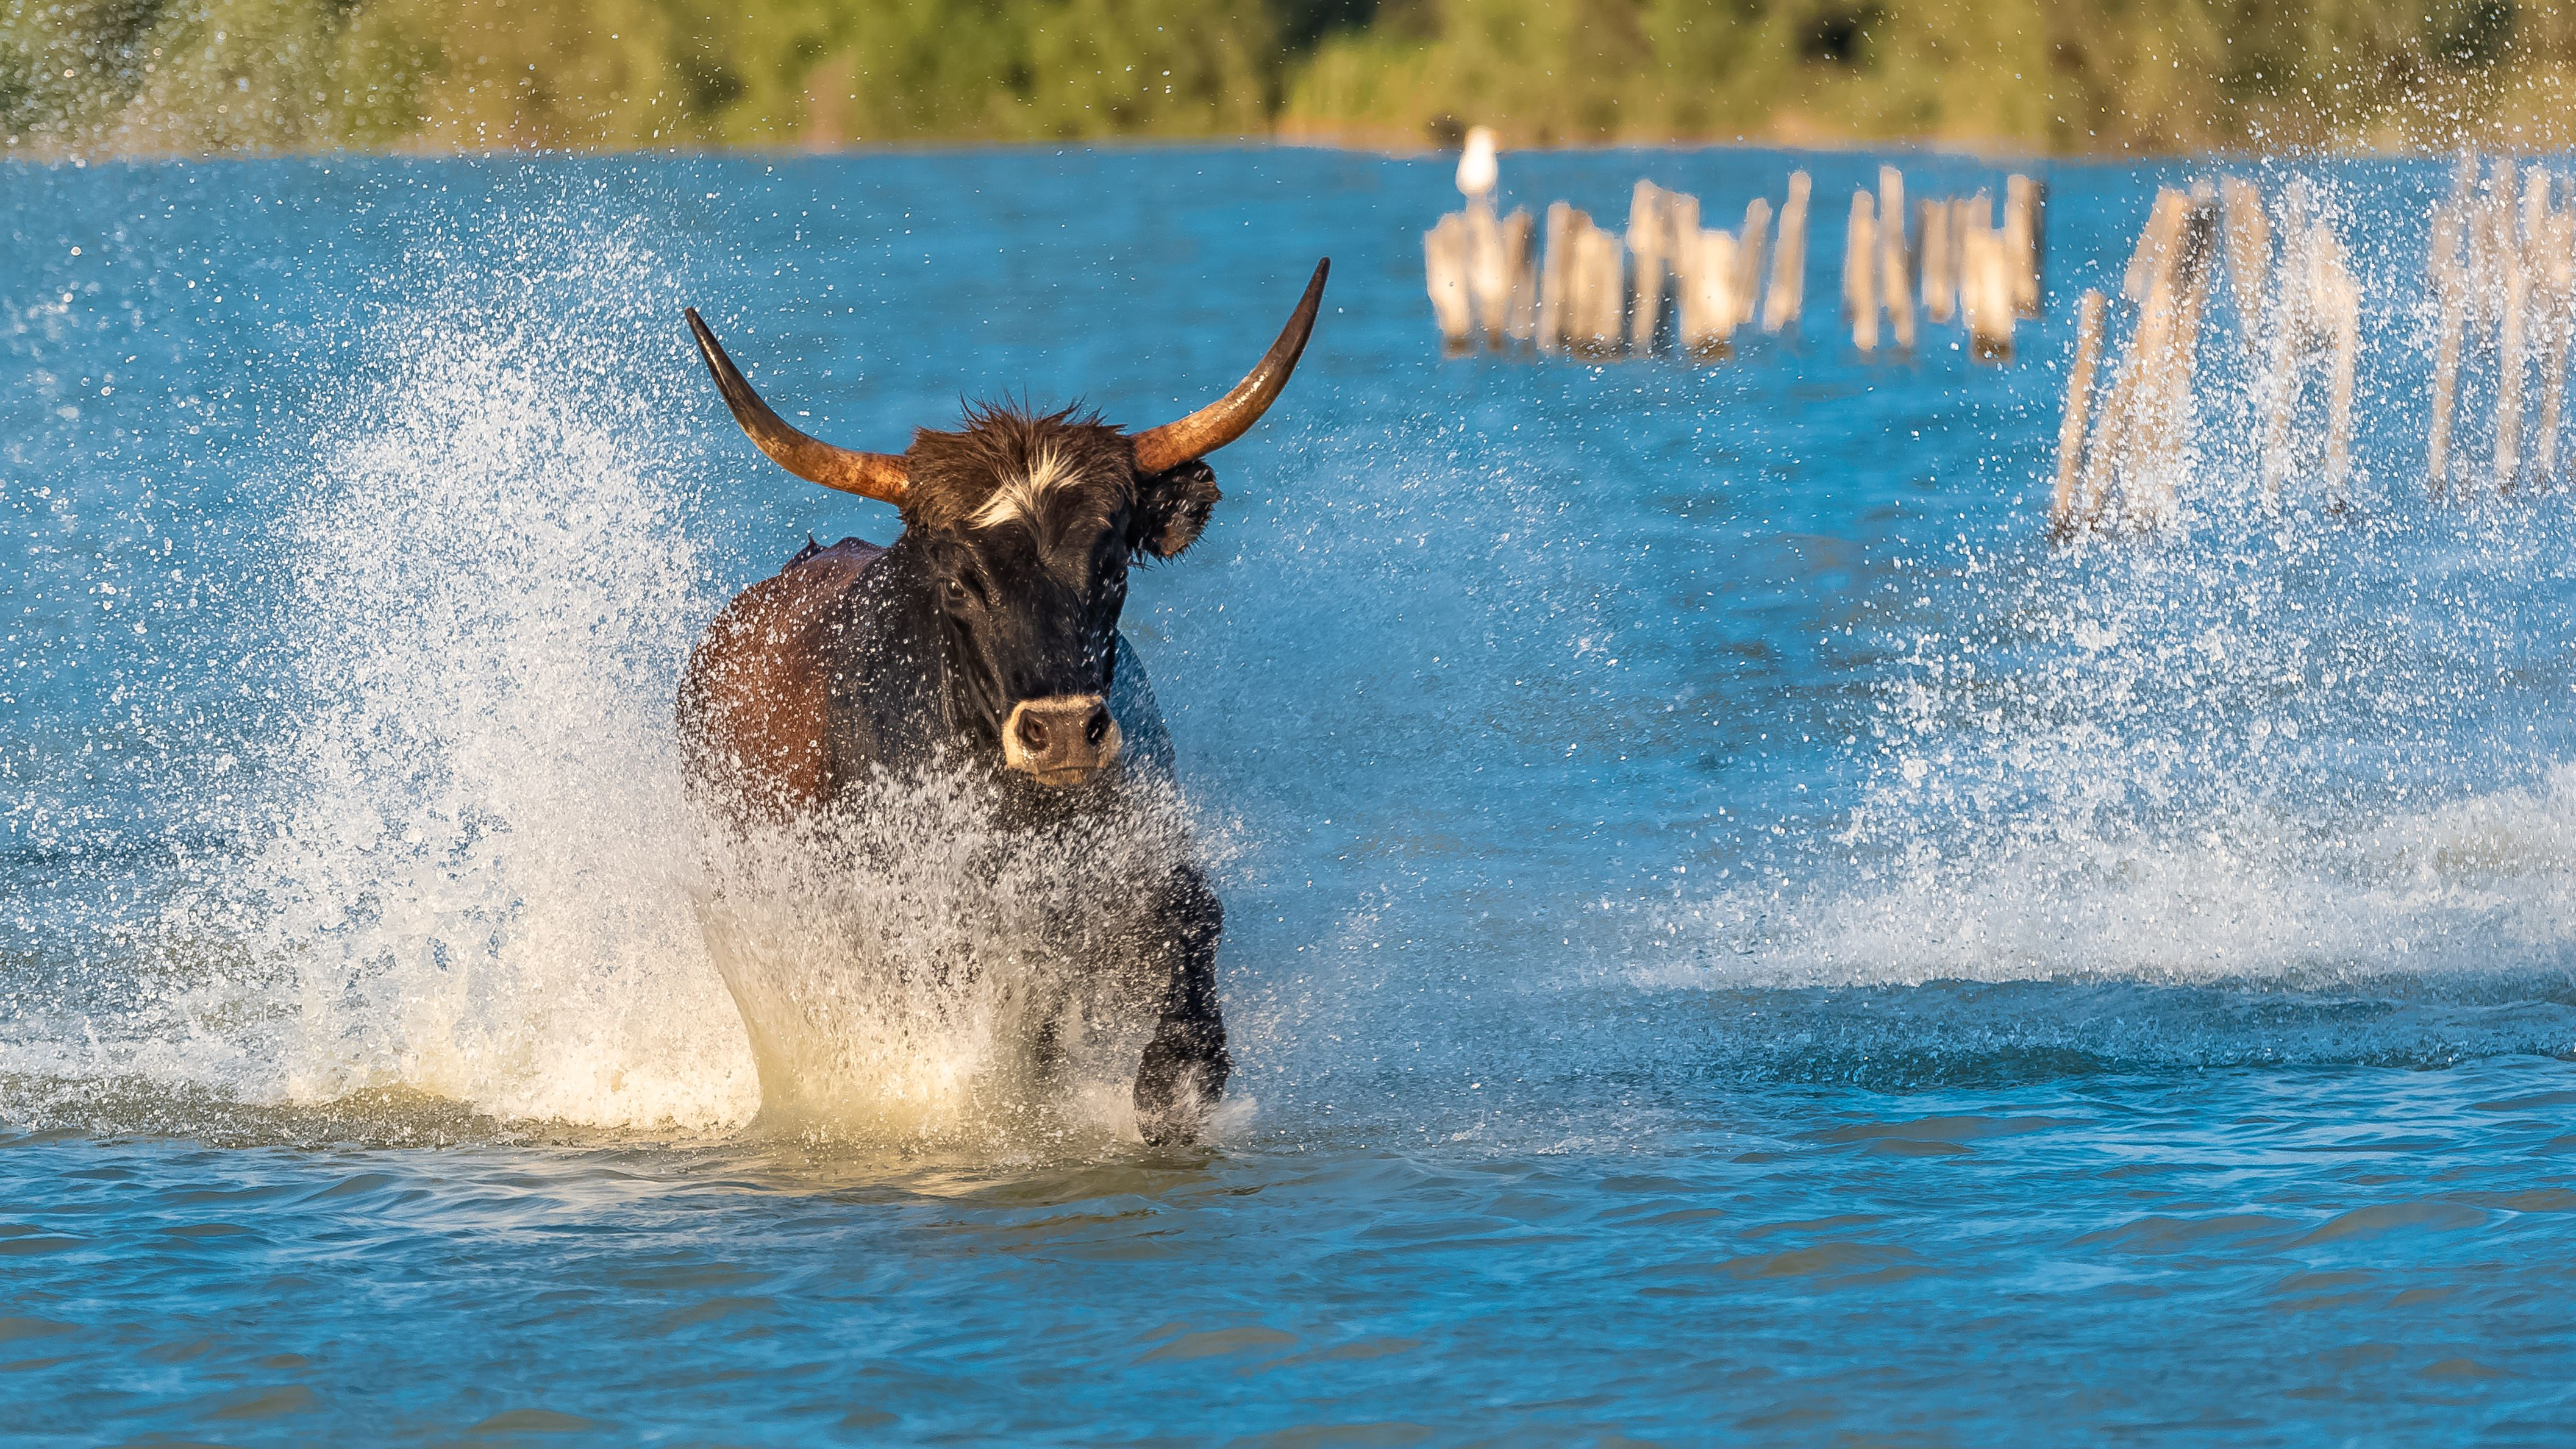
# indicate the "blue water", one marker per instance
pixel 1732 937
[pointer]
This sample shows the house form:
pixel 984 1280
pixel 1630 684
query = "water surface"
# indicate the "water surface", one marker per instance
pixel 1732 937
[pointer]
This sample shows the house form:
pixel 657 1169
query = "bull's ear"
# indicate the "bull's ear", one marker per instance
pixel 1171 507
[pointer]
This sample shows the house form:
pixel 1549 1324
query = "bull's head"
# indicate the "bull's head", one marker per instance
pixel 1026 526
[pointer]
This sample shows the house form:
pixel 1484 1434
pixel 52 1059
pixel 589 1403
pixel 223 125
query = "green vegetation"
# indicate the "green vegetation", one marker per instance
pixel 192 76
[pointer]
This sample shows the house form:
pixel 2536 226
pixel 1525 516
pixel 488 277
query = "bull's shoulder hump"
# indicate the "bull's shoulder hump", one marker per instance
pixel 799 594
pixel 754 702
pixel 842 562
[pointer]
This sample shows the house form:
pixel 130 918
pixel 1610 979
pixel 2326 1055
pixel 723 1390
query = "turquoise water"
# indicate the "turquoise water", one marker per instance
pixel 1732 938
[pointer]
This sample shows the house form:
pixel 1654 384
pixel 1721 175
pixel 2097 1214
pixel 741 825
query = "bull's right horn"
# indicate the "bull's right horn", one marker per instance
pixel 870 475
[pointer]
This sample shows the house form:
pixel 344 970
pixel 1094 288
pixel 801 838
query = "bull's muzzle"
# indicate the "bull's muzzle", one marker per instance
pixel 1063 739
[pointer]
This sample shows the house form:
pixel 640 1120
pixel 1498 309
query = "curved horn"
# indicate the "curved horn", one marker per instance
pixel 870 475
pixel 1231 416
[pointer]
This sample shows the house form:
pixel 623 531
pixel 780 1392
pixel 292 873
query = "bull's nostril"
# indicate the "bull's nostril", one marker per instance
pixel 1097 728
pixel 1033 732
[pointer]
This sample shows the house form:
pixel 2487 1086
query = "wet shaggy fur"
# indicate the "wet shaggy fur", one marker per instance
pixel 1066 475
pixel 857 663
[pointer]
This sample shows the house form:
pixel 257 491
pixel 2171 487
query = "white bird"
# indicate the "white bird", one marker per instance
pixel 1476 169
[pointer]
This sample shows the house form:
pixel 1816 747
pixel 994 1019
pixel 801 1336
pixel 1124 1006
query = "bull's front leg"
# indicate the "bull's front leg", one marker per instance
pixel 1185 1066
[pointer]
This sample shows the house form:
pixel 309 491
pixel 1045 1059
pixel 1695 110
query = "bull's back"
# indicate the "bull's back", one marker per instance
pixel 755 703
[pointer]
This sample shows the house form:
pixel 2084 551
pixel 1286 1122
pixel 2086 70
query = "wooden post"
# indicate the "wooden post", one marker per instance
pixel 2150 447
pixel 1681 213
pixel 2038 236
pixel 1602 295
pixel 1520 304
pixel 1681 243
pixel 1681 236
pixel 2512 357
pixel 1967 214
pixel 1714 306
pixel 1578 284
pixel 1940 264
pixel 1860 273
pixel 2021 243
pixel 2134 437
pixel 2199 263
pixel 2461 263
pixel 1851 242
pixel 2556 281
pixel 1690 295
pixel 2450 288
pixel 1987 318
pixel 2189 273
pixel 2464 177
pixel 1895 273
pixel 2079 396
pixel 1750 245
pixel 1579 305
pixel 1972 240
pixel 2478 239
pixel 1789 260
pixel 2145 283
pixel 1985 292
pixel 2346 304
pixel 2163 229
pixel 1610 289
pixel 1745 291
pixel 2110 440
pixel 1488 282
pixel 2292 293
pixel 2535 206
pixel 1647 237
pixel 1444 258
pixel 2249 259
pixel 2521 254
pixel 2491 242
pixel 1555 267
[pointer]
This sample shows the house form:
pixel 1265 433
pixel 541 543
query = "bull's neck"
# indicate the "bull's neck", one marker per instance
pixel 907 589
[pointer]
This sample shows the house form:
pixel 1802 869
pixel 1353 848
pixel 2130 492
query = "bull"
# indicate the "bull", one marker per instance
pixel 985 640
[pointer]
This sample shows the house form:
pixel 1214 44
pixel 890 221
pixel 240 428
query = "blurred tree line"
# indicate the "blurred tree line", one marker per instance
pixel 2064 75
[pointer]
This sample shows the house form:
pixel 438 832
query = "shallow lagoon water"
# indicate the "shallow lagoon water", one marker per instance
pixel 1731 937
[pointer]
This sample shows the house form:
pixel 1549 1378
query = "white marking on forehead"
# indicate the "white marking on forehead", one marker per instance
pixel 1021 497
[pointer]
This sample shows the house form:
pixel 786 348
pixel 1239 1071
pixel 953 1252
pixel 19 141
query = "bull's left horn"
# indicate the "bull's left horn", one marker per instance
pixel 1231 416
pixel 870 475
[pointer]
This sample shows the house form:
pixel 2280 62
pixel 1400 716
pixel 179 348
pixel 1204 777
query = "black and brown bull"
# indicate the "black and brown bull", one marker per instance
pixel 985 639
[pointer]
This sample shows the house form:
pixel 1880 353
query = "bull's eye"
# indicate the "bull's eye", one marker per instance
pixel 957 593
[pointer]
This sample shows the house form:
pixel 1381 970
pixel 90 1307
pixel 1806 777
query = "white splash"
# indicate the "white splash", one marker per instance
pixel 479 875
pixel 911 969
pixel 2219 762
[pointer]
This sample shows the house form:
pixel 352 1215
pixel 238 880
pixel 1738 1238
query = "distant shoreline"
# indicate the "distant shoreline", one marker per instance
pixel 2079 82
pixel 1996 153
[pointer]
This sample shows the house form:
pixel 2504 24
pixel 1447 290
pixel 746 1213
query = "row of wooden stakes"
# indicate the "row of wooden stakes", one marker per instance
pixel 1669 284
pixel 2122 446
pixel 2502 267
pixel 1591 293
pixel 1959 262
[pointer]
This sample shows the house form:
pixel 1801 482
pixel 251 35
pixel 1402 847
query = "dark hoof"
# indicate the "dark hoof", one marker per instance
pixel 1175 1089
